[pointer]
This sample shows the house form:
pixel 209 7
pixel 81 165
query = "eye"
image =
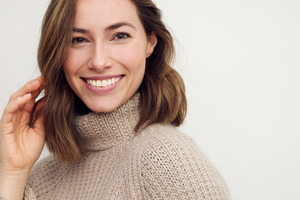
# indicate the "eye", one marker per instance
pixel 78 40
pixel 121 36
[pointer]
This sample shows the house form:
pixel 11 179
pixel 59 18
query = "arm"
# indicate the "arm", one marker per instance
pixel 20 143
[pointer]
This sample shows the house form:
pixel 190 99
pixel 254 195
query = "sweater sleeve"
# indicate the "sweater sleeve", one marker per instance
pixel 173 167
pixel 43 177
pixel 29 194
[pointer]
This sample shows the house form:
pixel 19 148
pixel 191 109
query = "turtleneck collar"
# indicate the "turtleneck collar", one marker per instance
pixel 105 130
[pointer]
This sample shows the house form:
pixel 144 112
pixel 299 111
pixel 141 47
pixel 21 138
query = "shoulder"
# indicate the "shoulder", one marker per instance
pixel 161 140
pixel 168 138
pixel 161 131
pixel 45 174
pixel 172 166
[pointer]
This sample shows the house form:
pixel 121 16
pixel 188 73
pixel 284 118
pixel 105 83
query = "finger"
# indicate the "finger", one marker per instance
pixel 40 105
pixel 39 116
pixel 36 93
pixel 13 107
pixel 30 105
pixel 29 87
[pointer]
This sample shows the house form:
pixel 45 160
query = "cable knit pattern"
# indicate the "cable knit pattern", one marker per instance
pixel 157 163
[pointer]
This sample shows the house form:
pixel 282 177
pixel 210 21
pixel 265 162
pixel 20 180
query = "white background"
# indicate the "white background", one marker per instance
pixel 240 62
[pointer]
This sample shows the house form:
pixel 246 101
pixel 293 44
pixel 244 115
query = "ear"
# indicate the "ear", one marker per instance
pixel 152 41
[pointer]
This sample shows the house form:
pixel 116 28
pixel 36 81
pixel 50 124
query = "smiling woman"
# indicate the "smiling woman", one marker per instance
pixel 107 47
pixel 109 115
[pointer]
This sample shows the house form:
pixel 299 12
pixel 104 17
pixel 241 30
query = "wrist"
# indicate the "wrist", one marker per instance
pixel 12 184
pixel 14 174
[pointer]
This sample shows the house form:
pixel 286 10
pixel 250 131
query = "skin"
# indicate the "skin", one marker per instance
pixel 20 144
pixel 109 40
pixel 100 52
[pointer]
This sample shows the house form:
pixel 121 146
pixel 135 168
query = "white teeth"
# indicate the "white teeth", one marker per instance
pixel 99 83
pixel 103 83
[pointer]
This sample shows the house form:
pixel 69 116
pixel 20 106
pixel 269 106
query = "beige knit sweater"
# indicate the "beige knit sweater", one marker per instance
pixel 158 163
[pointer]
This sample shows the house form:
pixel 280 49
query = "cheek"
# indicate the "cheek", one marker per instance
pixel 72 63
pixel 71 67
pixel 133 57
pixel 68 62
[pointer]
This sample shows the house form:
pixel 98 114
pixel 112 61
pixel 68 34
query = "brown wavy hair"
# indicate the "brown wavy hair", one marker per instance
pixel 162 90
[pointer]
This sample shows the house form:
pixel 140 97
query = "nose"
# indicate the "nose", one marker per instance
pixel 99 58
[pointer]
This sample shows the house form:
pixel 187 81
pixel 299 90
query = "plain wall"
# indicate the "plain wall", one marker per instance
pixel 240 62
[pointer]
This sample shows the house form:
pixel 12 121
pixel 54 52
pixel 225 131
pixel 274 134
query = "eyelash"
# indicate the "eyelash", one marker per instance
pixel 117 36
pixel 78 40
pixel 122 34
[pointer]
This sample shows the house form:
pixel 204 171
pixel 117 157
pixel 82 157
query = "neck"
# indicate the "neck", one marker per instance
pixel 105 130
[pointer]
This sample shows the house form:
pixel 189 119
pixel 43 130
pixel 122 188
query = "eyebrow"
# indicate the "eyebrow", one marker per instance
pixel 118 25
pixel 109 28
pixel 80 30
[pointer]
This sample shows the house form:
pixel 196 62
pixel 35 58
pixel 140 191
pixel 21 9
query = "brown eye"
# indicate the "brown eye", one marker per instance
pixel 78 40
pixel 121 36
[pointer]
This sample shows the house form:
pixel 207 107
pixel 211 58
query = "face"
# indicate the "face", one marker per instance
pixel 105 64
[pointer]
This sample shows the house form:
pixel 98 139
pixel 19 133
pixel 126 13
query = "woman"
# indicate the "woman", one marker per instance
pixel 108 115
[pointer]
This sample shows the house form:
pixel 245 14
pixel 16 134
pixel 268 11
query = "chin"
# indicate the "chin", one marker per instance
pixel 103 110
pixel 103 107
pixel 105 104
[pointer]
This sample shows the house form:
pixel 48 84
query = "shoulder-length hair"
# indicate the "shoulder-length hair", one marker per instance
pixel 162 90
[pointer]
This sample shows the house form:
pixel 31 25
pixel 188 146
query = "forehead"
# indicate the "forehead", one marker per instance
pixel 104 12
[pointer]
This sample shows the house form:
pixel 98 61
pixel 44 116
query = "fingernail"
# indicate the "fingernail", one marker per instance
pixel 26 95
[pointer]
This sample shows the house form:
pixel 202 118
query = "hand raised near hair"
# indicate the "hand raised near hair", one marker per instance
pixel 21 138
pixel 21 143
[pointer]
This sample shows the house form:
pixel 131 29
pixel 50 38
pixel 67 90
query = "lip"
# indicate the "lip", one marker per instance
pixel 102 77
pixel 101 90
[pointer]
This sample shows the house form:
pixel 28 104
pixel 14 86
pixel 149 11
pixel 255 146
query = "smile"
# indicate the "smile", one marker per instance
pixel 103 83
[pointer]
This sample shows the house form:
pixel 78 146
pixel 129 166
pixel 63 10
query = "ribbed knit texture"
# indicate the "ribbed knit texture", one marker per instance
pixel 157 163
